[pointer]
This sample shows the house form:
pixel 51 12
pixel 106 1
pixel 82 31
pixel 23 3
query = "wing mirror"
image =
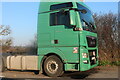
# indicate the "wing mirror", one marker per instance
pixel 72 18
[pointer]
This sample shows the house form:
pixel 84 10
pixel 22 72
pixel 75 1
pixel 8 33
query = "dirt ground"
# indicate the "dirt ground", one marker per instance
pixel 100 72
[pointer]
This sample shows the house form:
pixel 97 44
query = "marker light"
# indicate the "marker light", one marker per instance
pixel 77 29
pixel 75 50
pixel 85 61
pixel 93 53
pixel 84 55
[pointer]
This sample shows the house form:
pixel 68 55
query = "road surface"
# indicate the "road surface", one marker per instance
pixel 98 72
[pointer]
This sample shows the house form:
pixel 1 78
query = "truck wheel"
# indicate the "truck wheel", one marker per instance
pixel 53 66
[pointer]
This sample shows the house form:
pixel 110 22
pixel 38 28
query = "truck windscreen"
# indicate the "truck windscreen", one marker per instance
pixel 86 19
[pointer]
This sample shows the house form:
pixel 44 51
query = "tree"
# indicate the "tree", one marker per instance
pixel 108 35
pixel 32 49
pixel 4 30
pixel 5 43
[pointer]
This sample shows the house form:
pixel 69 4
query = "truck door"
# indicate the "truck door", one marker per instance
pixel 65 39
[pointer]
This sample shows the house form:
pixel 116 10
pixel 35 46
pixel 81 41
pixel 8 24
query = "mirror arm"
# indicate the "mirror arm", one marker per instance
pixel 75 9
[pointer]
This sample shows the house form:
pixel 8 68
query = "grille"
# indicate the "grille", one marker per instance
pixel 91 41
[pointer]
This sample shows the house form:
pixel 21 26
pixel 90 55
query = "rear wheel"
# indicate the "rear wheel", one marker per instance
pixel 53 66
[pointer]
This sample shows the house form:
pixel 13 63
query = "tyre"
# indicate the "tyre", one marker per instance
pixel 53 66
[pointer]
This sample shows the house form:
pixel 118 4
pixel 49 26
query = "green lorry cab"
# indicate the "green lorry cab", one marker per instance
pixel 67 40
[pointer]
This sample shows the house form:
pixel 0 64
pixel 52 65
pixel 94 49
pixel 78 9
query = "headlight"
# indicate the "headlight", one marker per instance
pixel 85 61
pixel 84 55
pixel 93 53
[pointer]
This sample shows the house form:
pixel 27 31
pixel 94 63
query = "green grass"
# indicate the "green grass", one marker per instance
pixel 105 63
pixel 117 63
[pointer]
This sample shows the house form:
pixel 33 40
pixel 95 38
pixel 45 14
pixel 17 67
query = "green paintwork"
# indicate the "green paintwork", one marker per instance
pixel 72 17
pixel 67 39
pixel 71 67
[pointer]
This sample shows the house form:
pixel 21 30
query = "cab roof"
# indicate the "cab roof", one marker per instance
pixel 45 6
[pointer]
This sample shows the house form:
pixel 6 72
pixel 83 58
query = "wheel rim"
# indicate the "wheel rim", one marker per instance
pixel 52 66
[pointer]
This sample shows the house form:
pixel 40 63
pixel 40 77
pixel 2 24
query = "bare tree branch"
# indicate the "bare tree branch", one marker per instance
pixel 4 30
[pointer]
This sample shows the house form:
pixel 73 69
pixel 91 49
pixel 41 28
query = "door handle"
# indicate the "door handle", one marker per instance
pixel 56 41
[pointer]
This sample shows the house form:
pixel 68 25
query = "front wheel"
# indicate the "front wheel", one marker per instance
pixel 53 66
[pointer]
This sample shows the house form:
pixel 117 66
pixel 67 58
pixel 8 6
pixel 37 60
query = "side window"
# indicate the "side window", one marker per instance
pixel 59 18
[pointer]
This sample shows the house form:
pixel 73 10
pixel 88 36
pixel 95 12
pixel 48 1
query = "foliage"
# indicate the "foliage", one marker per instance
pixel 4 30
pixel 5 43
pixel 32 49
pixel 105 63
pixel 108 37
